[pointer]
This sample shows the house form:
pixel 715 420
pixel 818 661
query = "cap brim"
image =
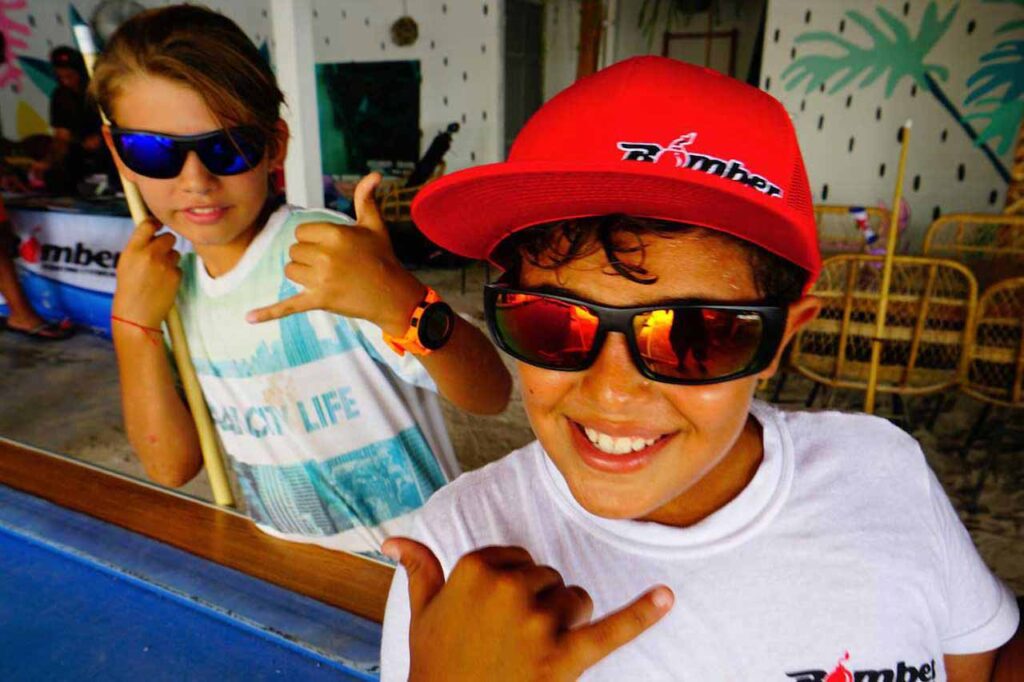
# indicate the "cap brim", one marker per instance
pixel 470 212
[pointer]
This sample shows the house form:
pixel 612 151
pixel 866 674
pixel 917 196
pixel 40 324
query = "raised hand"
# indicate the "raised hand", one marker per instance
pixel 147 276
pixel 350 270
pixel 500 616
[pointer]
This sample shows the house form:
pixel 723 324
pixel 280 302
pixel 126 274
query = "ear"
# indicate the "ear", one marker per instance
pixel 125 172
pixel 799 315
pixel 279 145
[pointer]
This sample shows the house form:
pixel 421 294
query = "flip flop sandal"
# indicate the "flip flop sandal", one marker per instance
pixel 47 331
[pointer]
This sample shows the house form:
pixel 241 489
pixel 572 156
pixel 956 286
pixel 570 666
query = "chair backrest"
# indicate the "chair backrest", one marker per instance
pixel 994 370
pixel 397 200
pixel 991 244
pixel 930 308
pixel 838 231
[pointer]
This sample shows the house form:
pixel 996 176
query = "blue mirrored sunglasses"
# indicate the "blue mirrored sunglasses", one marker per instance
pixel 162 156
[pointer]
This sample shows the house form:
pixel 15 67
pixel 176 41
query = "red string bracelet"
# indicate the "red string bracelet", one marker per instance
pixel 148 330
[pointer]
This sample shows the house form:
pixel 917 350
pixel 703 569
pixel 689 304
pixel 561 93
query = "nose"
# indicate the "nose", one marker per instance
pixel 613 381
pixel 194 177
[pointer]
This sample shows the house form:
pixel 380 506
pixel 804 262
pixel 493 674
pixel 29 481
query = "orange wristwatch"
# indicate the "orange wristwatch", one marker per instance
pixel 430 327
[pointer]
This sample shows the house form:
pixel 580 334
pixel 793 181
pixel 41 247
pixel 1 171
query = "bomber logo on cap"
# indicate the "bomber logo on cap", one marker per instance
pixel 651 152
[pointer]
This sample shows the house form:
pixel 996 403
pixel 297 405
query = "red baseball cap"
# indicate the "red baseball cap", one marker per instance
pixel 649 137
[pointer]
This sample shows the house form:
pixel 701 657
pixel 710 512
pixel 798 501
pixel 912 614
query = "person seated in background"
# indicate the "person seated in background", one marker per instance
pixel 22 317
pixel 77 151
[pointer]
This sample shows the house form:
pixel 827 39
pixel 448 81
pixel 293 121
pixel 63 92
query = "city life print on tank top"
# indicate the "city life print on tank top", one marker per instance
pixel 331 435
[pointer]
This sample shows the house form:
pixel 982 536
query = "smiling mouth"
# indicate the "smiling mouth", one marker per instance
pixel 617 445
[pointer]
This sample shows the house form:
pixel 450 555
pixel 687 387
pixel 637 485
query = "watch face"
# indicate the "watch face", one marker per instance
pixel 436 325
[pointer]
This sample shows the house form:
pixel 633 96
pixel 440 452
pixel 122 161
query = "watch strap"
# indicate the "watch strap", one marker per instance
pixel 410 341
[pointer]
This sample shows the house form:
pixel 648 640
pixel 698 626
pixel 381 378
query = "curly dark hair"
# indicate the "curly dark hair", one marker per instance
pixel 552 245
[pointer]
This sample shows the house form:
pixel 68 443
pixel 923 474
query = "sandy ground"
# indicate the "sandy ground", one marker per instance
pixel 63 397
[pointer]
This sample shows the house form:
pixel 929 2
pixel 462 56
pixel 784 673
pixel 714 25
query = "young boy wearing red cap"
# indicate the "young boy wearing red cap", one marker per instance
pixel 656 228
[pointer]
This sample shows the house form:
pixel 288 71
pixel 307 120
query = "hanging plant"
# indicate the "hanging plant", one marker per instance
pixel 404 31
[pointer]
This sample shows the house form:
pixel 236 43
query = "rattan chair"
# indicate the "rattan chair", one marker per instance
pixel 396 200
pixel 838 231
pixel 930 309
pixel 992 245
pixel 994 368
pixel 411 246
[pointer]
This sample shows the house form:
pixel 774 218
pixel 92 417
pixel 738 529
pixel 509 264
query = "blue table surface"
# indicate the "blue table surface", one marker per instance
pixel 81 599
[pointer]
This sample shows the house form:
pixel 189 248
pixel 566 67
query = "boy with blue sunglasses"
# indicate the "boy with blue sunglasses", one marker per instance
pixel 319 356
pixel 656 228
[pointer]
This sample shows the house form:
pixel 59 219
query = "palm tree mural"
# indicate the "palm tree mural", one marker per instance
pixel 896 54
pixel 1002 70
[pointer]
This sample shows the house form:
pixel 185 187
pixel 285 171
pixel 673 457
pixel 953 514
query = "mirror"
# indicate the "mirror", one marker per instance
pixel 64 396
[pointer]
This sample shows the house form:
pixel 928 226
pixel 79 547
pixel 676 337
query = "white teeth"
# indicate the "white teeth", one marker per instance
pixel 617 446
pixel 203 210
pixel 622 445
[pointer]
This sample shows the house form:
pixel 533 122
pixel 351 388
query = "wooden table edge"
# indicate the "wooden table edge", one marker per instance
pixel 347 581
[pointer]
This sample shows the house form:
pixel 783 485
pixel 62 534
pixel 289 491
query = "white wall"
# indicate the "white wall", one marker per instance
pixel 946 171
pixel 43 25
pixel 561 45
pixel 461 62
pixel 459 48
pixel 626 39
pixel 869 120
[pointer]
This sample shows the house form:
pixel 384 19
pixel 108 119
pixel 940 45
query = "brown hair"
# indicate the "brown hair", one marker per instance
pixel 202 50
pixel 552 245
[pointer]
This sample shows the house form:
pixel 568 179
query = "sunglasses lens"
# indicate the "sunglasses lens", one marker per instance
pixel 231 153
pixel 544 331
pixel 698 343
pixel 153 156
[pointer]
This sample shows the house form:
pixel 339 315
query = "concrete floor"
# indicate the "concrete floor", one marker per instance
pixel 63 397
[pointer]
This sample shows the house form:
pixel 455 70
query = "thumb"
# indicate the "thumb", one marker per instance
pixel 422 568
pixel 367 213
pixel 590 643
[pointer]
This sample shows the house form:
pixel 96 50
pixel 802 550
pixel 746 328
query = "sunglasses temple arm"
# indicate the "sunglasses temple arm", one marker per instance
pixel 213 458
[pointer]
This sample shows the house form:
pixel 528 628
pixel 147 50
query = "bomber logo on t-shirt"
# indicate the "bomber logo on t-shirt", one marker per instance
pixel 902 672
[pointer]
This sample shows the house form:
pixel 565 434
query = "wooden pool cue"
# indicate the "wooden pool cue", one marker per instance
pixel 890 255
pixel 213 458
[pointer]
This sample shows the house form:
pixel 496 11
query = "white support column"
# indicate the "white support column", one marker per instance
pixel 611 33
pixel 296 73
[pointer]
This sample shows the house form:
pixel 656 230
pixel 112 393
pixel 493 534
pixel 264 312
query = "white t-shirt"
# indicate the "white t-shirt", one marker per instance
pixel 843 551
pixel 334 438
